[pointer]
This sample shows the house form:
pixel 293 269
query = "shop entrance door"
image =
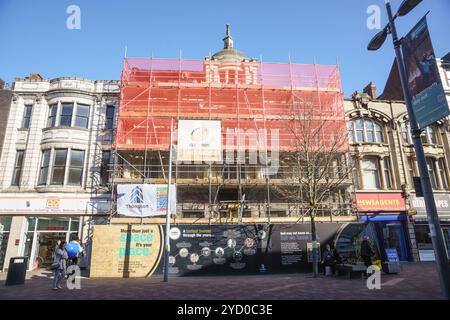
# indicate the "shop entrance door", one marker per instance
pixel 394 238
pixel 46 247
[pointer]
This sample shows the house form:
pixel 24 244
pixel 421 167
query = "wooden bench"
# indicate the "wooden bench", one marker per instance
pixel 351 270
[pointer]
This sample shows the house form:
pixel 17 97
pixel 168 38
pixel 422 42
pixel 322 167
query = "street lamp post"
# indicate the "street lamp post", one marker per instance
pixel 433 219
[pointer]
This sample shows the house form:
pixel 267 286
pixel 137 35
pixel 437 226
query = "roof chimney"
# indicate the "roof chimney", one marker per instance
pixel 371 90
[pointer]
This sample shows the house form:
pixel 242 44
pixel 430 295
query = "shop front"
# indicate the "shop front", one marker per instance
pixel 421 228
pixel 31 224
pixel 386 213
pixel 5 225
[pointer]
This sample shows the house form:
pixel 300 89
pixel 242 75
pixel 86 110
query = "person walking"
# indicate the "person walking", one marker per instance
pixel 59 265
pixel 328 261
pixel 366 252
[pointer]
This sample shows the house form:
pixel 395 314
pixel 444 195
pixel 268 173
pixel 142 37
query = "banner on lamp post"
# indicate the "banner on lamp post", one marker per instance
pixel 145 200
pixel 429 102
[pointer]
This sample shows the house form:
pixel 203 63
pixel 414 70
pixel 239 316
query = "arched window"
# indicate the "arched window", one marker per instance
pixel 365 131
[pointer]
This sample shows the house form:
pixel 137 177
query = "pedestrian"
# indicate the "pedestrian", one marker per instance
pixel 328 261
pixel 366 252
pixel 76 250
pixel 59 265
pixel 58 243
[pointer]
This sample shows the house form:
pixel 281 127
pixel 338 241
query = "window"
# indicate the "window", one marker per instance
pixel 76 167
pixel 17 168
pixel 443 173
pixel 104 171
pixel 59 166
pixel 366 130
pixel 406 133
pixel 43 171
pixel 27 117
pixel 51 121
pixel 371 173
pixel 82 117
pixel 65 119
pixel 429 136
pixel 351 132
pixel 387 173
pixel 355 175
pixel 411 170
pixel 109 117
pixel 432 172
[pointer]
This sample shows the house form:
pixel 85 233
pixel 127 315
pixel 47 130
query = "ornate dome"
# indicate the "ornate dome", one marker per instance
pixel 228 53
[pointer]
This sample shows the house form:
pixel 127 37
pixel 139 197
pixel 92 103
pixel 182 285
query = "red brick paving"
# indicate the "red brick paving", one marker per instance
pixel 417 281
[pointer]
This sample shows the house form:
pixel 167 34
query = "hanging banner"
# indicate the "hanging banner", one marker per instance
pixel 429 102
pixel 145 200
pixel 199 141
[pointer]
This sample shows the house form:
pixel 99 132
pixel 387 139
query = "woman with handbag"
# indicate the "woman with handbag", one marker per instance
pixel 59 265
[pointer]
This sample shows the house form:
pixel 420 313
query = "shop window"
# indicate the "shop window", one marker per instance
pixel 51 120
pixel 45 163
pixel 59 167
pixel 17 173
pixel 65 119
pixel 82 116
pixel 27 117
pixel 423 238
pixel 76 167
pixel 371 175
pixel 365 131
pixel 109 123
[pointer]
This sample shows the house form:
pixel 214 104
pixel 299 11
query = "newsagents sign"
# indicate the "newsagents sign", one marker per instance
pixel 442 205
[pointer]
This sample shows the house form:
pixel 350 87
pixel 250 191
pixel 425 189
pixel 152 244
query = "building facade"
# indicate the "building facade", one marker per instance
pixel 385 166
pixel 55 156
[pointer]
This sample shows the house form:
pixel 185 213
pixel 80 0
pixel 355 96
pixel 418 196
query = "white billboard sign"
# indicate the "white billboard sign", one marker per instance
pixel 145 200
pixel 199 141
pixel 56 203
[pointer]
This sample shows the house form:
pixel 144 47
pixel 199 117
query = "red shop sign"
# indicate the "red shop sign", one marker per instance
pixel 376 202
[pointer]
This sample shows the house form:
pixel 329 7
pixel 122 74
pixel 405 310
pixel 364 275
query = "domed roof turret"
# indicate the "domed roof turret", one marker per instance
pixel 228 53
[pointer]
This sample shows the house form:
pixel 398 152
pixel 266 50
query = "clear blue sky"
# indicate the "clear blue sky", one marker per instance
pixel 34 37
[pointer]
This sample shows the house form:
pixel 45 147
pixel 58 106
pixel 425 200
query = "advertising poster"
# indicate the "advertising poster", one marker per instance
pixel 199 141
pixel 126 251
pixel 429 102
pixel 144 200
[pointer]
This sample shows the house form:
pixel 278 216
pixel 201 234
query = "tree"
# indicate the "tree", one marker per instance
pixel 318 162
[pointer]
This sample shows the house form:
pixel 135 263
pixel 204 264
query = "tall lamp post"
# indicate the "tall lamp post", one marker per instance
pixel 433 220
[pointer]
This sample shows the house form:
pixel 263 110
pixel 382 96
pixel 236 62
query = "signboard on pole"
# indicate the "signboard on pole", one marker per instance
pixel 145 200
pixel 199 140
pixel 429 102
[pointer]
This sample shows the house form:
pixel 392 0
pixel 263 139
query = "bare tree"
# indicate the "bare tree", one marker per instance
pixel 320 170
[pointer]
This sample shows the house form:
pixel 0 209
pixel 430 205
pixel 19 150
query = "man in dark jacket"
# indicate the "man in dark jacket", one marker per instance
pixel 366 252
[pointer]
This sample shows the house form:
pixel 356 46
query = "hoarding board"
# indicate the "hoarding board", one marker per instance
pixel 145 200
pixel 199 141
pixel 429 102
pixel 125 251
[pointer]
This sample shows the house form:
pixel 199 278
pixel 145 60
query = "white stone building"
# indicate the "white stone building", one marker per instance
pixel 54 164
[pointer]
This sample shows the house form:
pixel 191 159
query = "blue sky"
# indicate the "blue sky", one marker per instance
pixel 34 37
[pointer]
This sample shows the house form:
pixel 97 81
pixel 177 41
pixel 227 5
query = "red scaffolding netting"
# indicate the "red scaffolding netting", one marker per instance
pixel 247 95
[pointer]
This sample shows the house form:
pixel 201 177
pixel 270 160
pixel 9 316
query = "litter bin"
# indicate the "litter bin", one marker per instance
pixel 17 271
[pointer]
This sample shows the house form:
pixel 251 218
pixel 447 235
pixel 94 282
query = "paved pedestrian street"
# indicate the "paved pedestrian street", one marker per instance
pixel 417 281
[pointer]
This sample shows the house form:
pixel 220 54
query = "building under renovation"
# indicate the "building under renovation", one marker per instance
pixel 257 107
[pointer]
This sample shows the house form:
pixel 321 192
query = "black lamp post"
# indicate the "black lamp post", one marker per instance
pixel 433 219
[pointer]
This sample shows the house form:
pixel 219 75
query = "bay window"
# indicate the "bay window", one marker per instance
pixel 59 166
pixel 65 120
pixel 82 116
pixel 45 164
pixel 76 167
